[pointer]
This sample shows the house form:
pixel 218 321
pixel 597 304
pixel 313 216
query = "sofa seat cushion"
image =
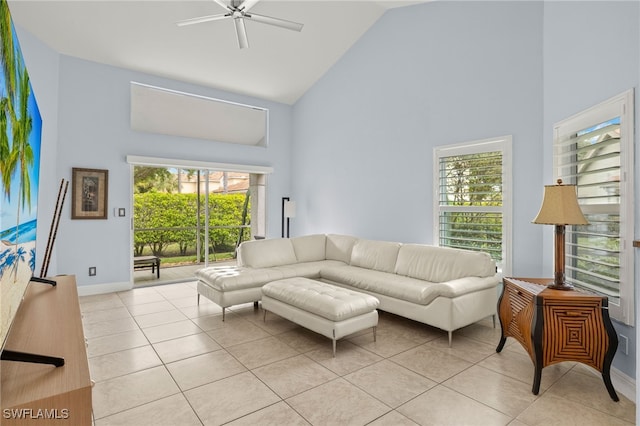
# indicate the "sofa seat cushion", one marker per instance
pixel 328 301
pixel 227 278
pixel 237 278
pixel 306 269
pixel 404 288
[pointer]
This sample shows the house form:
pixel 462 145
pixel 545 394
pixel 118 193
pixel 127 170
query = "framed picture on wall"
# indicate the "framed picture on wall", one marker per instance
pixel 90 189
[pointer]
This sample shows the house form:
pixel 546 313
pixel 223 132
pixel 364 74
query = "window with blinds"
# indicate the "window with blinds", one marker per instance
pixel 591 159
pixel 471 197
pixel 589 151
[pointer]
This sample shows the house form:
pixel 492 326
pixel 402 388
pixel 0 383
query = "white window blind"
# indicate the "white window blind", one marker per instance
pixel 592 150
pixel 471 198
pixel 171 112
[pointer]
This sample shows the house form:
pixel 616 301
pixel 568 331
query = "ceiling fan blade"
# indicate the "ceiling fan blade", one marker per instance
pixel 248 4
pixel 223 4
pixel 241 32
pixel 275 21
pixel 201 19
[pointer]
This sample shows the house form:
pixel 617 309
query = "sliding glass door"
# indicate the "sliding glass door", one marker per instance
pixel 186 219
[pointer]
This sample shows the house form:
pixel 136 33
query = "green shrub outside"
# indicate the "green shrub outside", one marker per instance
pixel 176 216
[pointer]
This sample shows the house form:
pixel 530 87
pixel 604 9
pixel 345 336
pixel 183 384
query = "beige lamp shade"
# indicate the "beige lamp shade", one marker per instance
pixel 290 209
pixel 560 206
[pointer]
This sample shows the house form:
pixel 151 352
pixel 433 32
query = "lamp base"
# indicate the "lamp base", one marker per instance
pixel 561 286
pixel 559 282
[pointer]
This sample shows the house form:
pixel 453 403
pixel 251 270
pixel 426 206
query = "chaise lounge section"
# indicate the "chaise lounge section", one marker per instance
pixel 442 287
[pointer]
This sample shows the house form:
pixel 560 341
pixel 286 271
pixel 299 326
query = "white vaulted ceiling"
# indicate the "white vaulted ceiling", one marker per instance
pixel 142 35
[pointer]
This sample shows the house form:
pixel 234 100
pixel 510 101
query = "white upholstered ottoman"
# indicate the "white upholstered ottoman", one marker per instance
pixel 329 310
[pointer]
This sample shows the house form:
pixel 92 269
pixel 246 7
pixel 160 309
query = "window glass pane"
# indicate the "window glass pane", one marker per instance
pixel 472 180
pixel 478 231
pixel 593 251
pixel 470 194
pixel 593 258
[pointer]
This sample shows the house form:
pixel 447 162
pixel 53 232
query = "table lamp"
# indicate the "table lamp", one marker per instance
pixel 560 207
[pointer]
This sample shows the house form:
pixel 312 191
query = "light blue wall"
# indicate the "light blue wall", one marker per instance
pixel 93 131
pixel 448 72
pixel 424 76
pixel 591 53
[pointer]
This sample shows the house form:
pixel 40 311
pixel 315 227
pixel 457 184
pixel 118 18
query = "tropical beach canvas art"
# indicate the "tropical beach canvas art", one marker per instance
pixel 20 132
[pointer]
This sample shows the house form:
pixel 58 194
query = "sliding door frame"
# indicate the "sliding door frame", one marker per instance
pixel 256 175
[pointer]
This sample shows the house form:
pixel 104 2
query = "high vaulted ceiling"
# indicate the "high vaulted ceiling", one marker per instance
pixel 142 35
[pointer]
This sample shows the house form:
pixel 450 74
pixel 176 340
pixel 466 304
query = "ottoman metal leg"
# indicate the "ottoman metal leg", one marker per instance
pixel 334 343
pixel 374 332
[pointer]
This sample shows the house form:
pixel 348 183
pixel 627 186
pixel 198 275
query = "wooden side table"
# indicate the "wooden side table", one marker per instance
pixel 557 325
pixel 48 322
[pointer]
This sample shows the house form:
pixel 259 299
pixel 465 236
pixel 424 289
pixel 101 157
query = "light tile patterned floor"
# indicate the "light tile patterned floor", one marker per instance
pixel 158 358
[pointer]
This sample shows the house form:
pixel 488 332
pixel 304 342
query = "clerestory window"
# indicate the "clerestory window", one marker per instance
pixel 473 198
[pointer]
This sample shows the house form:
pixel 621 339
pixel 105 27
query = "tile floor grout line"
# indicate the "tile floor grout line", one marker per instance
pixel 245 315
pixel 139 405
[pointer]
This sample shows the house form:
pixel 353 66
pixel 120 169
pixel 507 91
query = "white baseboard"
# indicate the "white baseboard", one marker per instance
pixel 90 290
pixel 623 384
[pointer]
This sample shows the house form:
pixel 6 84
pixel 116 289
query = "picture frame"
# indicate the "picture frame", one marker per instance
pixel 89 193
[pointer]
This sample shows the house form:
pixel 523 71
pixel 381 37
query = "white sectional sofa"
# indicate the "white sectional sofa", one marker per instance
pixel 445 288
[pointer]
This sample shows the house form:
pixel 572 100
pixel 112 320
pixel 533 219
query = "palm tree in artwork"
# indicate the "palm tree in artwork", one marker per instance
pixel 15 258
pixel 8 65
pixel 7 158
pixel 4 255
pixel 7 53
pixel 21 129
pixel 32 259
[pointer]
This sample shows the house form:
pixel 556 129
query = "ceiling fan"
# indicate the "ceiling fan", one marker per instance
pixel 238 10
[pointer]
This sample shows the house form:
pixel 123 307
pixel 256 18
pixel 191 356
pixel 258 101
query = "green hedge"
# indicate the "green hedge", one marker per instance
pixel 161 210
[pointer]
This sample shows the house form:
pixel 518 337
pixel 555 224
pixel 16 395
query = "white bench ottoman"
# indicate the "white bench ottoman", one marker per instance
pixel 329 310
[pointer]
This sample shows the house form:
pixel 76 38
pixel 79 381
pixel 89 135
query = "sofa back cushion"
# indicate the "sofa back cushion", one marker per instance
pixel 339 247
pixel 376 255
pixel 310 248
pixel 266 253
pixel 440 264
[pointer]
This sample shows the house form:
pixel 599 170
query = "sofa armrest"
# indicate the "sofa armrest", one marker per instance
pixel 461 286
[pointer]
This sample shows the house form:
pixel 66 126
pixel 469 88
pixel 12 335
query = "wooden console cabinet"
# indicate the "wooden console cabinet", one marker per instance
pixel 48 322
pixel 558 325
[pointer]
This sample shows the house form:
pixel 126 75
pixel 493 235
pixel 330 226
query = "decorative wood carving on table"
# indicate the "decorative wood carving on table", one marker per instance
pixel 558 325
